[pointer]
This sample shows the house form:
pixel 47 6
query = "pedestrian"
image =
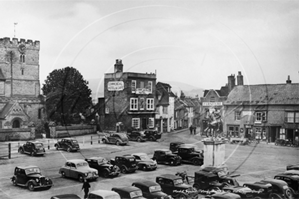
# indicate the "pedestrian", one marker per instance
pixel 191 129
pixel 86 186
pixel 195 130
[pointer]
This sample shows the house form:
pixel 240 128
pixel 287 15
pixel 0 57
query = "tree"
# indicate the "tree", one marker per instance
pixel 67 95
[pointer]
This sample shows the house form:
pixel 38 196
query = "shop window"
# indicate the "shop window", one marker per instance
pixel 151 122
pixel 136 123
pixel 133 103
pixel 292 117
pixel 233 131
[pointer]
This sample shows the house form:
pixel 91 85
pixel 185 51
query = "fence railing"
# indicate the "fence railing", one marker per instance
pixel 5 150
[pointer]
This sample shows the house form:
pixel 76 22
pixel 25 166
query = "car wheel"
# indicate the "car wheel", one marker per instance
pixel 56 146
pixel 104 141
pixel 123 169
pixel 144 168
pixel 105 174
pixel 30 186
pixel 80 178
pixel 14 181
pixel 139 139
pixel 289 193
pixel 63 174
pixel 21 151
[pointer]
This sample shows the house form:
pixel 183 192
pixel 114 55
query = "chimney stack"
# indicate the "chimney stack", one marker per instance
pixel 118 66
pixel 240 80
pixel 288 81
pixel 231 82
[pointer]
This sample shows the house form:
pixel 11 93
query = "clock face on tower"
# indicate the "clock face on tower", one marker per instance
pixel 22 48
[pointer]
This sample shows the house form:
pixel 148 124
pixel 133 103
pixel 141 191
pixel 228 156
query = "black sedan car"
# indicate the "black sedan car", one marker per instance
pixel 67 144
pixel 292 179
pixel 104 167
pixel 144 162
pixel 151 189
pixel 129 192
pixel 32 148
pixel 165 156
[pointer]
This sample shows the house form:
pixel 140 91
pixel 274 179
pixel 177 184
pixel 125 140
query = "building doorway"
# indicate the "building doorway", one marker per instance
pixel 144 123
pixel 16 123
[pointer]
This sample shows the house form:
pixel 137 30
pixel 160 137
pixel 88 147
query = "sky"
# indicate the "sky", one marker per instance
pixel 195 42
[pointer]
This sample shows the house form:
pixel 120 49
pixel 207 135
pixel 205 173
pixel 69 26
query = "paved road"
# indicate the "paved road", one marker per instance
pixel 252 162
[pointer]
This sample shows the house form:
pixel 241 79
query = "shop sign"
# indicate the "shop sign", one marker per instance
pixel 115 86
pixel 142 91
pixel 212 103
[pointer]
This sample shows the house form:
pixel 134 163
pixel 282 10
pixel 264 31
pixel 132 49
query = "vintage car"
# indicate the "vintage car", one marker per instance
pixel 103 194
pixel 291 172
pixel 116 138
pixel 78 169
pixel 174 146
pixel 151 189
pixel 65 196
pixel 126 163
pixel 165 156
pixel 138 136
pixel 152 134
pixel 68 144
pixel 221 170
pixel 129 192
pixel 30 177
pixel 188 154
pixel 173 185
pixel 292 167
pixel 271 188
pixel 207 180
pixel 144 162
pixel 104 167
pixel 292 180
pixel 32 148
pixel 222 195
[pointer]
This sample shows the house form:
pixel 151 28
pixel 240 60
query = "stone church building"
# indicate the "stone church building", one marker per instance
pixel 20 99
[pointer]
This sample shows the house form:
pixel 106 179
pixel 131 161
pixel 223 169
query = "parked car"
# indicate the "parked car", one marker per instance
pixel 78 169
pixel 30 177
pixel 65 196
pixel 32 148
pixel 151 189
pixel 152 134
pixel 126 163
pixel 292 167
pixel 116 138
pixel 188 154
pixel 144 162
pixel 67 144
pixel 129 192
pixel 173 185
pixel 291 172
pixel 103 194
pixel 277 188
pixel 104 167
pixel 292 180
pixel 165 156
pixel 212 181
pixel 138 136
pixel 174 146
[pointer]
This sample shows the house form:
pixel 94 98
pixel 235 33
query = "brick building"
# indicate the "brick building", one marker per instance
pixel 164 118
pixel 20 100
pixel 129 99
pixel 268 110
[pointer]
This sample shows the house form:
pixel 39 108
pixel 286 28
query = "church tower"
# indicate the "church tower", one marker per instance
pixel 20 101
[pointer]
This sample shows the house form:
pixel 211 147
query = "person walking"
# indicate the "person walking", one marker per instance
pixel 195 130
pixel 191 129
pixel 86 187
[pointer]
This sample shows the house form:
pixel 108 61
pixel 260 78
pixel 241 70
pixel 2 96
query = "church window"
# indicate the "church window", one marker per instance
pixel 22 71
pixel 16 124
pixel 22 58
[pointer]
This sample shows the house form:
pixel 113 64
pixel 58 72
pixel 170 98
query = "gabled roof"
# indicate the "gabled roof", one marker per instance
pixel 9 107
pixel 264 94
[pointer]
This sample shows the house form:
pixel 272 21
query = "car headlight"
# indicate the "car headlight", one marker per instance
pixel 37 180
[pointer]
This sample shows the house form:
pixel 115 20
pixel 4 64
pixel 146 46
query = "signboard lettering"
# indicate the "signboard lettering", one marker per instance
pixel 212 103
pixel 115 86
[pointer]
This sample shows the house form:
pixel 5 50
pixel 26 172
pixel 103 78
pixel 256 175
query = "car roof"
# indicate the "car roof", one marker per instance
pixel 146 183
pixel 35 142
pixel 274 181
pixel 169 176
pixel 205 173
pixel 187 146
pixel 293 177
pixel 139 154
pixel 292 171
pixel 76 161
pixel 66 196
pixel 96 158
pixel 162 149
pixel 125 156
pixel 176 143
pixel 27 167
pixel 105 193
pixel 127 188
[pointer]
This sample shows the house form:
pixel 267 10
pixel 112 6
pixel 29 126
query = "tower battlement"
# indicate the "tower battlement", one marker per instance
pixel 14 42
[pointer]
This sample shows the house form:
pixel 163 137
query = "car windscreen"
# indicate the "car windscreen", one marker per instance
pixel 102 161
pixel 144 157
pixel 131 159
pixel 168 152
pixel 32 170
pixel 178 181
pixel 134 194
pixel 75 141
pixel 154 189
pixel 39 145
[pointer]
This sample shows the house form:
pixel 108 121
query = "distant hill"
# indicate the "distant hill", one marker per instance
pixel 97 87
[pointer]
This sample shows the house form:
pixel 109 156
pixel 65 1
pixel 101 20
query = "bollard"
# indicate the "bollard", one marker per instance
pixel 48 145
pixel 91 140
pixel 98 139
pixel 9 150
